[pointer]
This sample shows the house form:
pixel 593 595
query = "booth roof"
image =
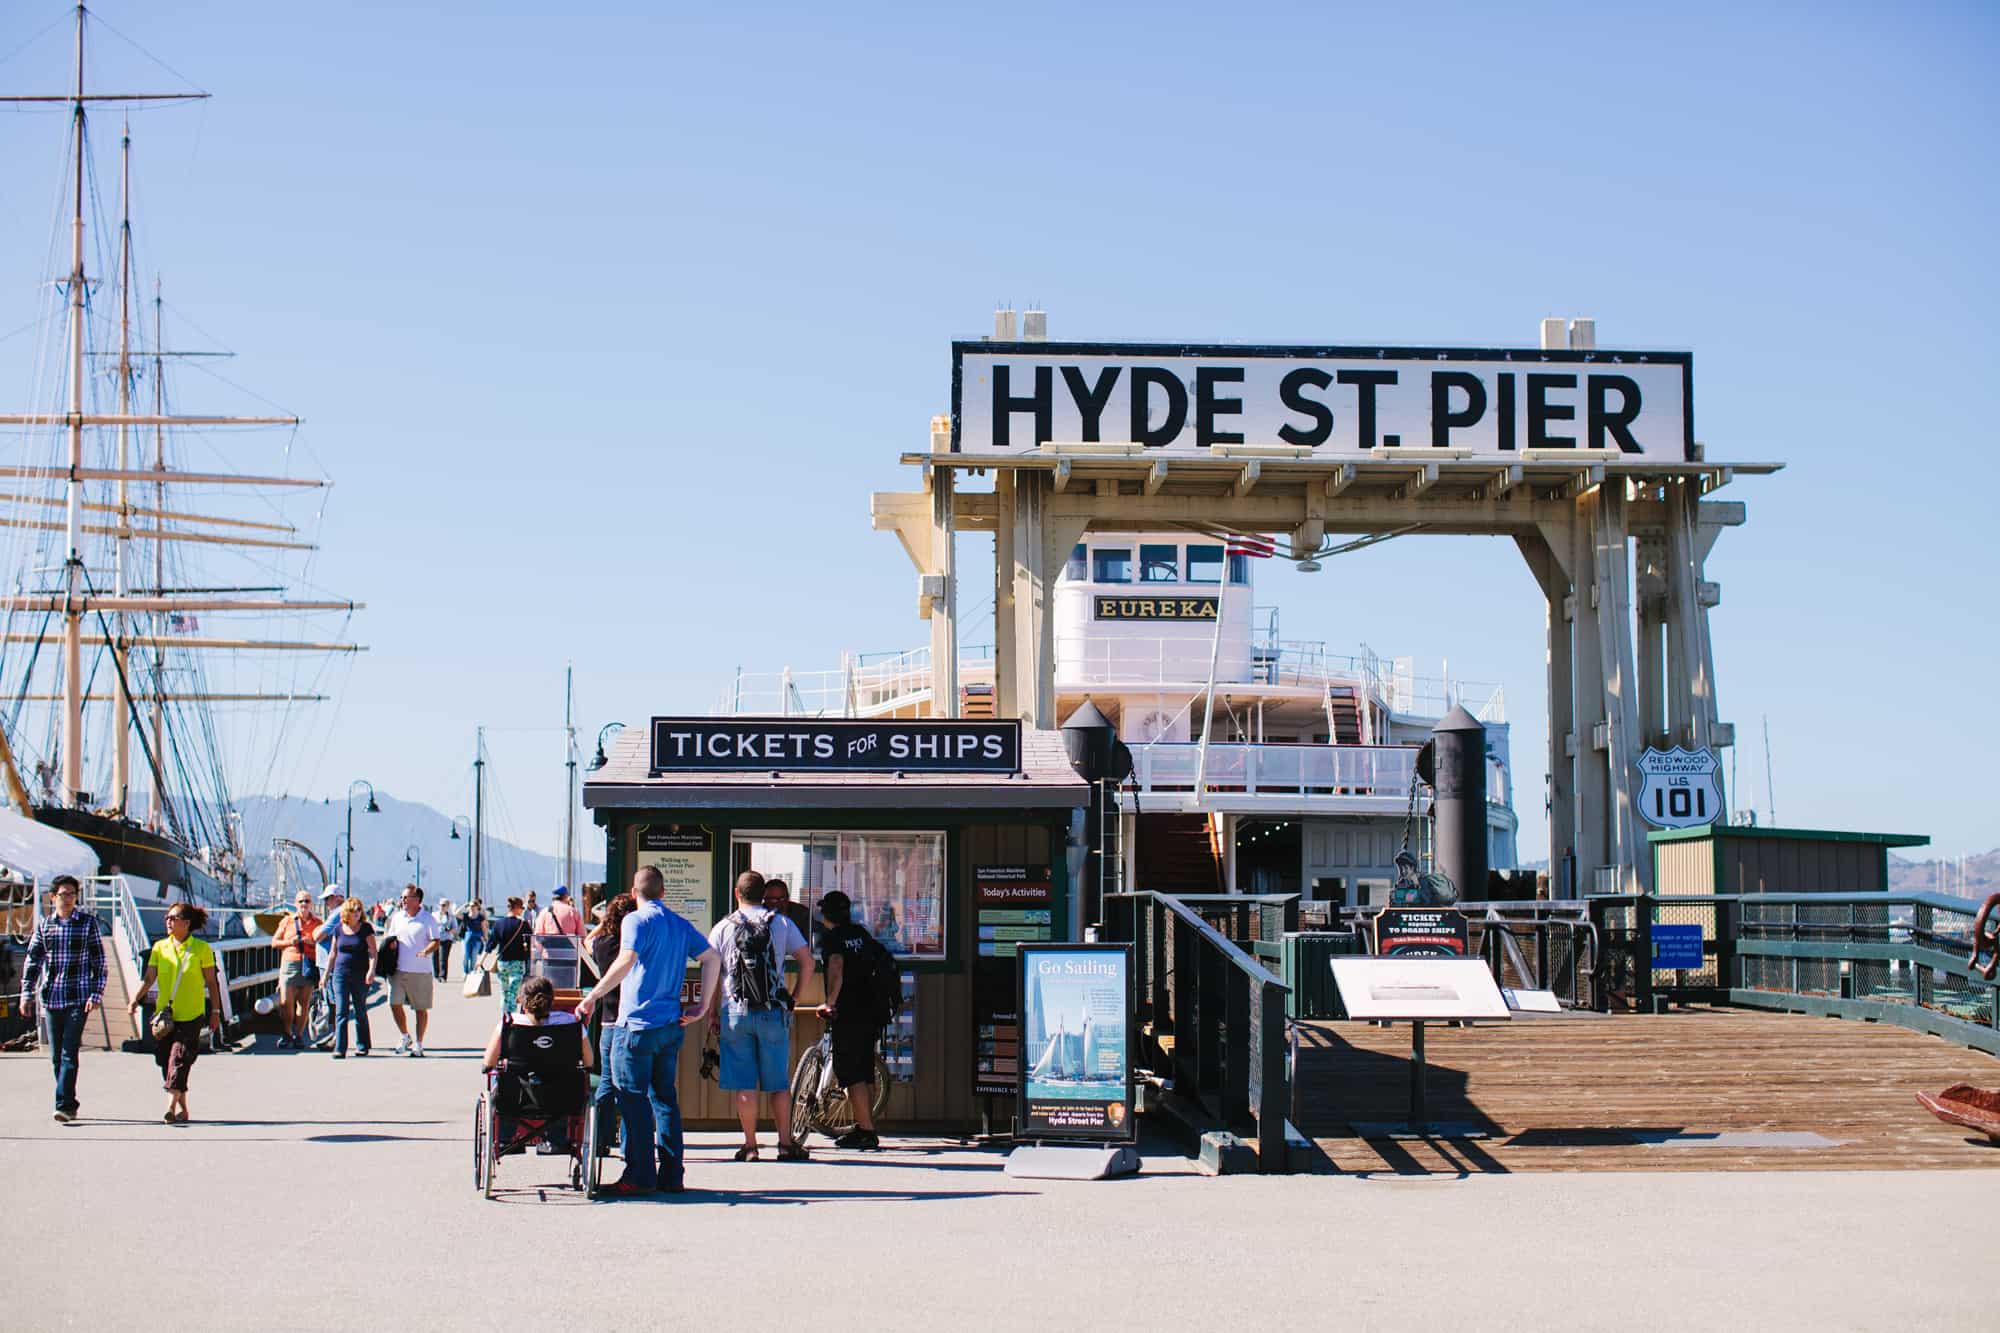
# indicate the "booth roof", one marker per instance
pixel 1045 781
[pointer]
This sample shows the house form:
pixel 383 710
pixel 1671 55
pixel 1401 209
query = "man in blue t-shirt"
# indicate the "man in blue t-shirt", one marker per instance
pixel 654 946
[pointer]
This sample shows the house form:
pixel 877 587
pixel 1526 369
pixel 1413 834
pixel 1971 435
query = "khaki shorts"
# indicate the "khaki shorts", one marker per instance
pixel 412 988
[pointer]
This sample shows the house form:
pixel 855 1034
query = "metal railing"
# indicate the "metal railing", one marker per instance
pixel 1283 770
pixel 248 964
pixel 1533 945
pixel 1902 958
pixel 1209 1014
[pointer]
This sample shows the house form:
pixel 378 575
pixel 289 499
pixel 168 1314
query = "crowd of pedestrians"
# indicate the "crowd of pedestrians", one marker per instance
pixel 638 950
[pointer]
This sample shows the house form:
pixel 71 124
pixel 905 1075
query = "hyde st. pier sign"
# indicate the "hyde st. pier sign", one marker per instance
pixel 1183 401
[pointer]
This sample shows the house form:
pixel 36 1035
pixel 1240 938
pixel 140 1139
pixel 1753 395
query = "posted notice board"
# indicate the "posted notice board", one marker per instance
pixel 1075 1078
pixel 1012 905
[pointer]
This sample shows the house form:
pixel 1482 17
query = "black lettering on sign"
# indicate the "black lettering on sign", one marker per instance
pixel 1506 419
pixel 1144 380
pixel 1153 608
pixel 1443 419
pixel 1292 393
pixel 1207 406
pixel 1366 381
pixel 1541 412
pixel 1042 403
pixel 1603 419
pixel 1090 400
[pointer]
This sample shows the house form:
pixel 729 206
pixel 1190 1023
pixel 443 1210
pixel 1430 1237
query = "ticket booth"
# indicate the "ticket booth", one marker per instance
pixel 913 820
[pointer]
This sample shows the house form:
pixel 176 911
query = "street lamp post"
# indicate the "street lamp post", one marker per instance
pixel 416 853
pixel 338 862
pixel 455 821
pixel 599 759
pixel 373 809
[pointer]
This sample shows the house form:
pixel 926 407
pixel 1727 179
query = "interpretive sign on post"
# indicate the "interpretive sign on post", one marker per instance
pixel 1013 905
pixel 1422 932
pixel 849 745
pixel 1680 788
pixel 1075 1079
pixel 1677 948
pixel 1184 401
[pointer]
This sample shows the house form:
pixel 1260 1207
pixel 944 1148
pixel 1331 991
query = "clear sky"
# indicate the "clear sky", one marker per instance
pixel 607 324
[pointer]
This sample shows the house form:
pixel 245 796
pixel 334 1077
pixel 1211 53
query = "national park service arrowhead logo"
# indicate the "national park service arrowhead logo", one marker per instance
pixel 1682 788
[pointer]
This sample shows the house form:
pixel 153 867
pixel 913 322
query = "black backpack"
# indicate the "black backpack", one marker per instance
pixel 755 978
pixel 871 985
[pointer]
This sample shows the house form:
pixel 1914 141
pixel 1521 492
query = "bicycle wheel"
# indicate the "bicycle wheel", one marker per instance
pixel 805 1093
pixel 319 1018
pixel 881 1099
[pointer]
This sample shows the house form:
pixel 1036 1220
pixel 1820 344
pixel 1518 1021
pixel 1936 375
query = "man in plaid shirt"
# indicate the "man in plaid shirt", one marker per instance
pixel 65 976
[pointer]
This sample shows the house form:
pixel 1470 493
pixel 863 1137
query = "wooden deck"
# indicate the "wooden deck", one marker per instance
pixel 1569 1094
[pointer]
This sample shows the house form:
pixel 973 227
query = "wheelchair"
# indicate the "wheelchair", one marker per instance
pixel 539 1094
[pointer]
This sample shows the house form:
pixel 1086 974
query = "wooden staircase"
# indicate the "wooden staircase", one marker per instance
pixel 1177 854
pixel 1343 712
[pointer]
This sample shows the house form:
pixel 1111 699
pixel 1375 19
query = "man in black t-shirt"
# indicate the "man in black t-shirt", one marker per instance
pixel 856 1028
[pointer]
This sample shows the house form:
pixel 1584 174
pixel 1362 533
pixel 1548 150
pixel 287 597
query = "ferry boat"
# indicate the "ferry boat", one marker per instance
pixel 1261 764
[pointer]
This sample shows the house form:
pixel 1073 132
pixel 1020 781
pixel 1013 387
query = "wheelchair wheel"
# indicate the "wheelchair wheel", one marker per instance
pixel 805 1094
pixel 489 1130
pixel 584 1174
pixel 479 1143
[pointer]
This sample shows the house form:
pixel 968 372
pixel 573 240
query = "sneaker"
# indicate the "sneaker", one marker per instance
pixel 673 1176
pixel 417 1049
pixel 363 1051
pixel 858 1139
pixel 61 1117
pixel 403 1046
pixel 342 1055
pixel 624 1189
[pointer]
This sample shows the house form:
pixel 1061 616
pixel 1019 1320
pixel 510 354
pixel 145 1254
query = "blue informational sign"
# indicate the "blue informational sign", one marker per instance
pixel 1676 948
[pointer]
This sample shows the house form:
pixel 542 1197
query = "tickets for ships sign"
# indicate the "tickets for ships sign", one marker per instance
pixel 1076 1043
pixel 1183 401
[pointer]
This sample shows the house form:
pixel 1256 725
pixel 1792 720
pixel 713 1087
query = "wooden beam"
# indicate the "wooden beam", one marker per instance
pixel 183 641
pixel 1062 476
pixel 1156 477
pixel 133 419
pixel 187 698
pixel 157 534
pixel 1246 480
pixel 56 502
pixel 1506 479
pixel 85 605
pixel 1427 477
pixel 154 476
pixel 1342 478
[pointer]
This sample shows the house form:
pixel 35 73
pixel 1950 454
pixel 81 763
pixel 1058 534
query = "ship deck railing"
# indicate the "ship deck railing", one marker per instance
pixel 1274 769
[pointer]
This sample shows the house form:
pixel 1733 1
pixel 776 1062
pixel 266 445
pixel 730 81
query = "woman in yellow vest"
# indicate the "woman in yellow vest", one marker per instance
pixel 184 966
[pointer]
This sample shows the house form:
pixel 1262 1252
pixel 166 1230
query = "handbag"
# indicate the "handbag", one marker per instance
pixel 162 1026
pixel 477 983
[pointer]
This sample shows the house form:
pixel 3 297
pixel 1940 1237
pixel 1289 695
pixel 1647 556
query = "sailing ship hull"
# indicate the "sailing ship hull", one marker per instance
pixel 157 868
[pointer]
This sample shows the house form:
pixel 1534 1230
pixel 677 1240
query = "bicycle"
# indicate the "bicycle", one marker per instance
pixel 319 1018
pixel 821 1104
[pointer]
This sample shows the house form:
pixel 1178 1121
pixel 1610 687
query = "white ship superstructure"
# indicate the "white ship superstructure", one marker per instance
pixel 1260 763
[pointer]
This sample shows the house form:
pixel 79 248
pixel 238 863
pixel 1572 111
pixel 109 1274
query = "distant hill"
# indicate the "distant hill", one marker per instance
pixel 1982 875
pixel 381 840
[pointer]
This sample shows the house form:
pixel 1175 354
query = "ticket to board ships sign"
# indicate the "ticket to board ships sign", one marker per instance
pixel 836 745
pixel 1011 398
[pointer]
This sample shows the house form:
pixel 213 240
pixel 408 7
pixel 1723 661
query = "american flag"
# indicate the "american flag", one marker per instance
pixel 1255 546
pixel 180 622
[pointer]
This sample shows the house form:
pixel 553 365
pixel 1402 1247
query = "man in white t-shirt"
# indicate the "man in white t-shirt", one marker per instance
pixel 416 934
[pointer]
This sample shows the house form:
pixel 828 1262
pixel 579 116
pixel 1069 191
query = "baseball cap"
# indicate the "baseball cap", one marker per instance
pixel 562 891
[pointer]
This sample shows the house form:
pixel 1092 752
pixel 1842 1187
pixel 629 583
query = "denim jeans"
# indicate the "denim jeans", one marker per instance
pixel 606 1094
pixel 644 1065
pixel 65 1040
pixel 349 993
pixel 475 944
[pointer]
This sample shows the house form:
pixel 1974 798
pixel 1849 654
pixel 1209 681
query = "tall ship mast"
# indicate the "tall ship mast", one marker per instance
pixel 108 690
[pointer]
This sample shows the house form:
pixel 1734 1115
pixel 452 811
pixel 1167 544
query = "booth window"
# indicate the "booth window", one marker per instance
pixel 895 881
pixel 1159 564
pixel 1204 564
pixel 1114 564
pixel 1073 571
pixel 1239 569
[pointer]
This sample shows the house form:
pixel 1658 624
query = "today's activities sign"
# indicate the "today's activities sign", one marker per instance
pixel 1011 398
pixel 1075 1067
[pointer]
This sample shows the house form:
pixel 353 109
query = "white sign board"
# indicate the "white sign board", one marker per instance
pixel 1182 401
pixel 1411 988
pixel 1680 788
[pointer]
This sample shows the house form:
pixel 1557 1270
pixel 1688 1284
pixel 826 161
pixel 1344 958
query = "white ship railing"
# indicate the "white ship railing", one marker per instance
pixel 866 683
pixel 1277 770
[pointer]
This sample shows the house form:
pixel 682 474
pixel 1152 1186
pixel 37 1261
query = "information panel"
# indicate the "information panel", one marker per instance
pixel 1012 905
pixel 1677 948
pixel 1075 1080
pixel 684 854
pixel 839 745
pixel 1421 932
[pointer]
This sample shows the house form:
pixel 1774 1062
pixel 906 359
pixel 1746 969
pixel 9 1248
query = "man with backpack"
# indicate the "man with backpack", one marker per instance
pixel 862 988
pixel 756 1031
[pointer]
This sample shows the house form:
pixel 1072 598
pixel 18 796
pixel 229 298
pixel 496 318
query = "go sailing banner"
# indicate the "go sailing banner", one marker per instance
pixel 1181 401
pixel 1075 1074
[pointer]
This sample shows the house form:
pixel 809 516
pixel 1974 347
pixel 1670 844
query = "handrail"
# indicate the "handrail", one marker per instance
pixel 1210 1013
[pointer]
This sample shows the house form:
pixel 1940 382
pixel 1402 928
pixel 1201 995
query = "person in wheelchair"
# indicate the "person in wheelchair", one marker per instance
pixel 538 1063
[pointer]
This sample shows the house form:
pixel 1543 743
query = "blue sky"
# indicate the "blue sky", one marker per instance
pixel 607 324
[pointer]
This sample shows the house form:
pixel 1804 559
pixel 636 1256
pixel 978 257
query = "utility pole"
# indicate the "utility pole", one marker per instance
pixel 479 814
pixel 569 789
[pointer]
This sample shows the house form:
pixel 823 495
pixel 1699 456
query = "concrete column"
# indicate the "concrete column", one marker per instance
pixel 1587 760
pixel 1691 666
pixel 1650 584
pixel 1006 693
pixel 944 608
pixel 1034 674
pixel 1626 835
pixel 1544 562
